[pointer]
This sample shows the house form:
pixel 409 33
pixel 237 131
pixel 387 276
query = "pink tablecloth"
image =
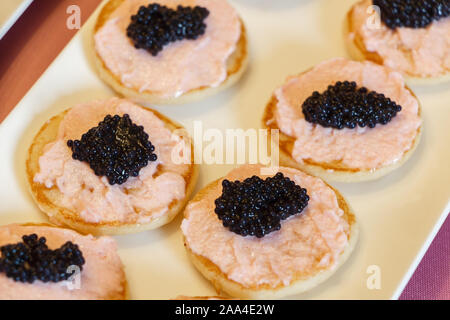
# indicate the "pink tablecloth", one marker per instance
pixel 431 281
pixel 40 34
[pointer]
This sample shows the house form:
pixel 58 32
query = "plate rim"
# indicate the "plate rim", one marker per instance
pixel 14 16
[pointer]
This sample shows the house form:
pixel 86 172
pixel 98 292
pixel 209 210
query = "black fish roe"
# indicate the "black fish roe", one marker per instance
pixel 32 260
pixel 412 13
pixel 155 26
pixel 255 207
pixel 117 149
pixel 345 105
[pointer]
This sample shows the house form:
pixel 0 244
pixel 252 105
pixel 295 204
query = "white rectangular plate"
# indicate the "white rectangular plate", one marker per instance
pixel 399 214
pixel 10 11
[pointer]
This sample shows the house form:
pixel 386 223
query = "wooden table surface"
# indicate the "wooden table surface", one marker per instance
pixel 39 36
pixel 32 44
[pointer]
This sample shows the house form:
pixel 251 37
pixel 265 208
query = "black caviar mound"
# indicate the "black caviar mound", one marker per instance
pixel 32 260
pixel 117 149
pixel 155 26
pixel 343 105
pixel 412 13
pixel 255 207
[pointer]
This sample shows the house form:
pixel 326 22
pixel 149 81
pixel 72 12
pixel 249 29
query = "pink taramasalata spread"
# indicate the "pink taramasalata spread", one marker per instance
pixel 183 65
pixel 102 276
pixel 423 52
pixel 140 199
pixel 359 148
pixel 305 244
